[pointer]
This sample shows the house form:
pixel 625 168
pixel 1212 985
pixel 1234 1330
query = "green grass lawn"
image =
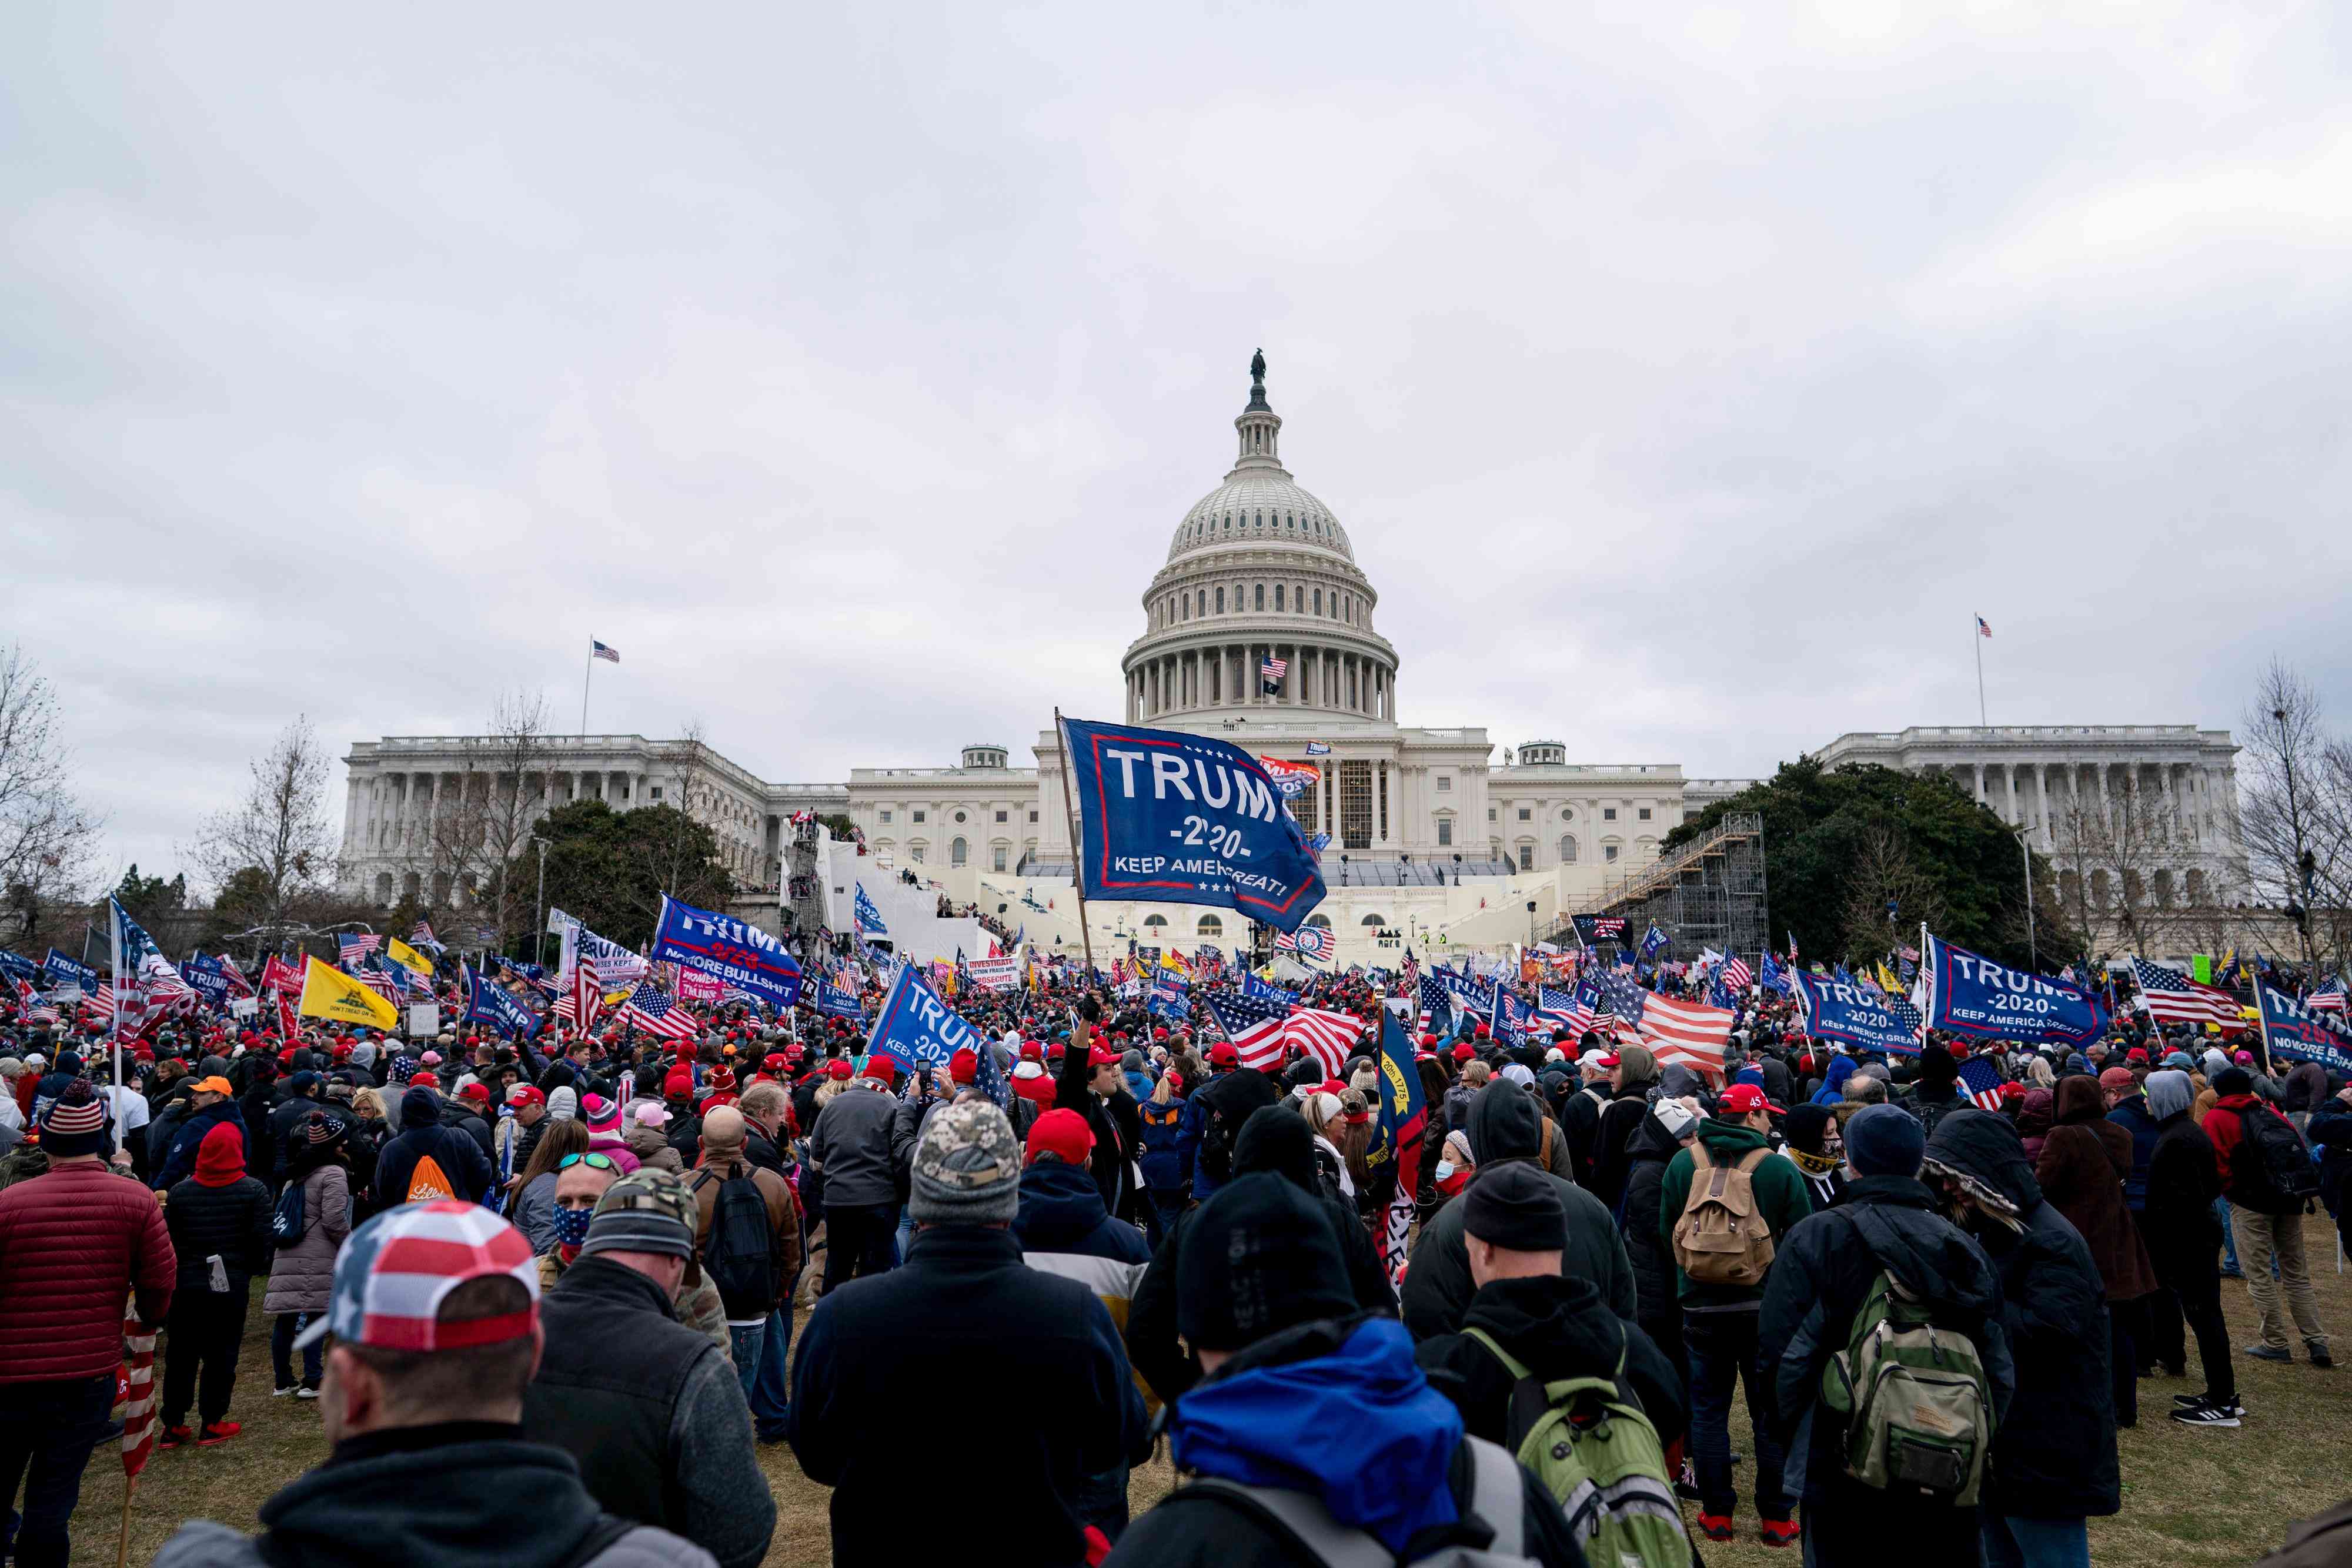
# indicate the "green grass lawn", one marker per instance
pixel 2189 1497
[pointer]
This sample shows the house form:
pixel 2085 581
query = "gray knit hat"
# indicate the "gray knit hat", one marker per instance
pixel 647 1210
pixel 967 1168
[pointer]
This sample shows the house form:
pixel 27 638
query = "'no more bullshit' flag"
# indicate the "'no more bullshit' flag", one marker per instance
pixel 1181 818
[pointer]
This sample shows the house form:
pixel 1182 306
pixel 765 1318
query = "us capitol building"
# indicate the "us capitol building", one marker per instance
pixel 1260 629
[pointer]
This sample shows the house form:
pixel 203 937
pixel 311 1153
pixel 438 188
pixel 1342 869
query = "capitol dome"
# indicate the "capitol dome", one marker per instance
pixel 1260 587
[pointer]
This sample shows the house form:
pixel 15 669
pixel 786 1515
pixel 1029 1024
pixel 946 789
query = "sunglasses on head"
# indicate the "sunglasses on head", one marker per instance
pixel 593 1161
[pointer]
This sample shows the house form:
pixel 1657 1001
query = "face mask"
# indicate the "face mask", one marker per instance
pixel 571 1225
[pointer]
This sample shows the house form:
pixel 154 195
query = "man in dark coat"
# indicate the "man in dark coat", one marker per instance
pixel 2183 1233
pixel 301 1098
pixel 2054 1458
pixel 1631 1073
pixel 211 1096
pixel 1661 1135
pixel 1275 1139
pixel 1216 1113
pixel 1825 1267
pixel 1505 1125
pixel 422 1136
pixel 1092 1084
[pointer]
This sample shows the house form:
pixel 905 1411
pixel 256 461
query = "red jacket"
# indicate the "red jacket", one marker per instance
pixel 74 1244
pixel 2227 1132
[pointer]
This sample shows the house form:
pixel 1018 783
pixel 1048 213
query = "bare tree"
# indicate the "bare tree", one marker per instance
pixel 1882 873
pixel 276 847
pixel 691 764
pixel 2296 814
pixel 476 836
pixel 46 835
pixel 2123 862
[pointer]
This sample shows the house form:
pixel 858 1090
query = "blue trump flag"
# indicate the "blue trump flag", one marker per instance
pixel 17 966
pixel 1969 994
pixel 1510 1020
pixel 1172 818
pixel 2292 1029
pixel 742 955
pixel 1653 941
pixel 1844 1012
pixel 204 973
pixel 866 917
pixel 915 1029
pixel 836 1001
pixel 488 1002
pixel 65 971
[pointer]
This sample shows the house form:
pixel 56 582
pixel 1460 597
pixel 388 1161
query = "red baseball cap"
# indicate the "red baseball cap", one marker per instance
pixel 477 1092
pixel 1464 1051
pixel 1031 1052
pixel 839 1068
pixel 963 1066
pixel 1064 1134
pixel 524 1094
pixel 1223 1054
pixel 1101 1056
pixel 1745 1100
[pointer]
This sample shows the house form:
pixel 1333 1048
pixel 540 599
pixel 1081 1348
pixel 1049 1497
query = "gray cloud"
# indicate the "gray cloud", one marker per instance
pixel 1687 379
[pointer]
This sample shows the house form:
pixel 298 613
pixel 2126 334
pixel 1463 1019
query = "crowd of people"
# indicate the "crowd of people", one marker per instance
pixel 543 1293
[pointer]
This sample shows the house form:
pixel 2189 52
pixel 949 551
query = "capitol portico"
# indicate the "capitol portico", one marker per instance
pixel 1259 629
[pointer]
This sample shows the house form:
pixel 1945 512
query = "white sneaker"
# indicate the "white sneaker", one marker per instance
pixel 281 1393
pixel 306 1392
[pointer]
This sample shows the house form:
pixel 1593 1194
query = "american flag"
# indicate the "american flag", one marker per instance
pixel 1274 669
pixel 139 1399
pixel 652 1010
pixel 351 948
pixel 1409 972
pixel 1311 942
pixel 1436 1002
pixel 1736 972
pixel 1324 1036
pixel 1253 1025
pixel 1982 1079
pixel 238 985
pixel 1983 630
pixel 2173 998
pixel 598 650
pixel 1691 1033
pixel 2328 999
pixel 1622 996
pixel 1558 1009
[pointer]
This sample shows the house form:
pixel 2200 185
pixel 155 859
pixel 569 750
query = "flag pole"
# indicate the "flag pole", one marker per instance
pixel 1976 641
pixel 122 1541
pixel 589 677
pixel 1070 818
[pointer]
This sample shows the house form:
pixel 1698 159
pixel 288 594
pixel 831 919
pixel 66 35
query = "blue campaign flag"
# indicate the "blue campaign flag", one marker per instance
pixel 1511 1024
pixel 1773 976
pixel 1843 1011
pixel 1720 995
pixel 866 917
pixel 2296 1031
pixel 1969 994
pixel 65 971
pixel 1653 941
pixel 1260 990
pixel 1167 1000
pixel 1471 995
pixel 17 966
pixel 915 1029
pixel 836 1001
pixel 204 975
pixel 741 955
pixel 488 1002
pixel 1172 818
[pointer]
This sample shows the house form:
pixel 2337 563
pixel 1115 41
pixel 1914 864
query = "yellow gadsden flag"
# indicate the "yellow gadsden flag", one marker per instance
pixel 406 956
pixel 327 994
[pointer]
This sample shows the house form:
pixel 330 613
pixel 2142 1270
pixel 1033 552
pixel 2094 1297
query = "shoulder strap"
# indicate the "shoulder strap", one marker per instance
pixel 1749 1161
pixel 1496 1496
pixel 1299 1519
pixel 1543 1151
pixel 1510 1363
pixel 1699 1162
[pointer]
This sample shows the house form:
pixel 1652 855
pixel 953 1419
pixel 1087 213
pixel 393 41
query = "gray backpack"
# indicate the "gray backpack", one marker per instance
pixel 1497 1497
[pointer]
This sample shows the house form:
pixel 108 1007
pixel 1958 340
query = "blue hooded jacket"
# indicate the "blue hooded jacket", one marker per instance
pixel 1360 1430
pixel 1832 1089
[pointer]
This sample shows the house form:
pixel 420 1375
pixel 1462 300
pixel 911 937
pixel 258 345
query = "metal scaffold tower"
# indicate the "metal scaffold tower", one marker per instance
pixel 1710 892
pixel 804 899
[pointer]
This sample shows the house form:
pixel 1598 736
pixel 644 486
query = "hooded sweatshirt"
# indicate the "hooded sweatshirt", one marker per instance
pixel 1557 1328
pixel 461 1159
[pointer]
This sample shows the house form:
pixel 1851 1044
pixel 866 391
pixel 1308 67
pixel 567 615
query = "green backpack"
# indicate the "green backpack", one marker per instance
pixel 1917 1404
pixel 1587 1439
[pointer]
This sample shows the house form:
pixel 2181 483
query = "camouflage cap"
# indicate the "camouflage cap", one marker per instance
pixel 967 1168
pixel 645 1211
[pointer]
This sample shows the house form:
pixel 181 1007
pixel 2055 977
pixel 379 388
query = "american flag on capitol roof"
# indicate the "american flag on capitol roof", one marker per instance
pixel 598 650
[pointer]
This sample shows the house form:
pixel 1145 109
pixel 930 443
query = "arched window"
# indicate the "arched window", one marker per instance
pixel 1335 605
pixel 1320 921
pixel 2195 887
pixel 958 852
pixel 1154 921
pixel 1188 607
pixel 1318 602
pixel 1261 596
pixel 1567 849
pixel 1277 596
pixel 1210 925
pixel 1373 920
pixel 1220 602
pixel 384 887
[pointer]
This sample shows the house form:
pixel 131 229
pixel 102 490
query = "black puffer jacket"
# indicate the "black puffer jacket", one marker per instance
pixel 2055 1455
pixel 1505 1125
pixel 231 1221
pixel 1648 1153
pixel 2179 1224
pixel 1557 1327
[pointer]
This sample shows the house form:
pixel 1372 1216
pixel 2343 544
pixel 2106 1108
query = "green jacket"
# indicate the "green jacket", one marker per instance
pixel 1780 1195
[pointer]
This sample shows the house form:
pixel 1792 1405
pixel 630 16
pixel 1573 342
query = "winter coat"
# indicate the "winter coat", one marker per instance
pixel 1064 1230
pixel 1931 1103
pixel 1821 1274
pixel 2054 1454
pixel 783 1218
pixel 1233 1096
pixel 1038 1352
pixel 2132 1114
pixel 1115 1121
pixel 1579 1121
pixel 179 1161
pixel 73 1242
pixel 1273 1139
pixel 2323 1541
pixel 359 1509
pixel 851 1142
pixel 2182 1232
pixel 2081 1171
pixel 301 1275
pixel 1618 1120
pixel 1647 1154
pixel 1780 1191
pixel 2330 1130
pixel 650 1149
pixel 1504 1126
pixel 534 1213
pixel 1339 1407
pixel 1556 1327
pixel 461 1159
pixel 285 1139
pixel 1167 1160
pixel 230 1222
pixel 2224 1125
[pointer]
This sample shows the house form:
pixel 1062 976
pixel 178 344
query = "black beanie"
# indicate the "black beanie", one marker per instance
pixel 1937 1066
pixel 1515 1207
pixel 2232 1081
pixel 1259 1257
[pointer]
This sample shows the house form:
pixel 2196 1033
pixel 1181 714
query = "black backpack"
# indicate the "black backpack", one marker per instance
pixel 288 1221
pixel 2280 1174
pixel 738 1258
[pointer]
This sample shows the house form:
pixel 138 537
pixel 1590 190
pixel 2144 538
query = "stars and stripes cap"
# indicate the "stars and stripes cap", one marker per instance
pixel 397 1269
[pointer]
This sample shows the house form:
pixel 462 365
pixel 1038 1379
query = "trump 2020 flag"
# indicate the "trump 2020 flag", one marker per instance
pixel 1404 1116
pixel 1969 994
pixel 1834 1009
pixel 865 917
pixel 1181 818
pixel 742 955
pixel 915 1029
pixel 488 1002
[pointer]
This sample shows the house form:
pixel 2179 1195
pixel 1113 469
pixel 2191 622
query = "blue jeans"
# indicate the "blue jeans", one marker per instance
pixel 1721 1347
pixel 2229 1239
pixel 2013 1543
pixel 284 1329
pixel 769 1391
pixel 743 1344
pixel 46 1432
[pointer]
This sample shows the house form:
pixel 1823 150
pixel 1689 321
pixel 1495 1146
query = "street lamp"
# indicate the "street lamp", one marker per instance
pixel 539 912
pixel 1531 921
pixel 2025 832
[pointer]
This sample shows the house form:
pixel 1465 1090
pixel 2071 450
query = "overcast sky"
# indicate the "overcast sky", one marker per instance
pixel 1687 379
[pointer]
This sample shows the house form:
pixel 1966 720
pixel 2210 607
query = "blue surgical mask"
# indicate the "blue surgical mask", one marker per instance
pixel 571 1226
